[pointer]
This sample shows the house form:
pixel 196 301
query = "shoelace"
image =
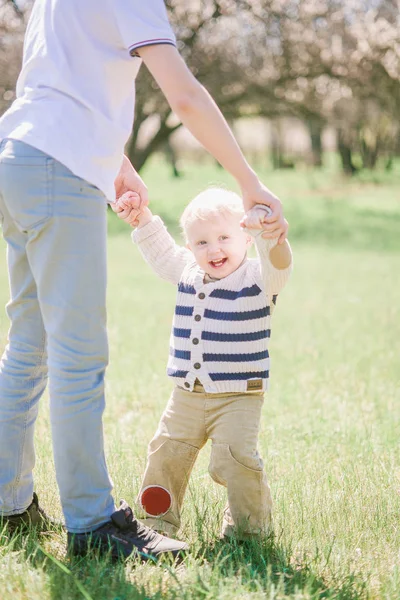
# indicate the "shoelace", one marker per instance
pixel 123 518
pixel 142 531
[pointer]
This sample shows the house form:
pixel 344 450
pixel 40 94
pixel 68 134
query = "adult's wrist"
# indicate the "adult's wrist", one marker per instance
pixel 249 181
pixel 125 164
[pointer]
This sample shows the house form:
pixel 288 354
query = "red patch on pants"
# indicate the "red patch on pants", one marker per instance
pixel 155 500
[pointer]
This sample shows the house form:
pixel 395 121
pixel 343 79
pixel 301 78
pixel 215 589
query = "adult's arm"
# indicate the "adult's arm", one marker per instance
pixel 191 102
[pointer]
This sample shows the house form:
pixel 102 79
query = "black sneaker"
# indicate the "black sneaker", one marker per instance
pixel 32 517
pixel 124 536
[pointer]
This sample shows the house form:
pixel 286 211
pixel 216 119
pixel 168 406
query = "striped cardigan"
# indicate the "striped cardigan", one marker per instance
pixel 221 329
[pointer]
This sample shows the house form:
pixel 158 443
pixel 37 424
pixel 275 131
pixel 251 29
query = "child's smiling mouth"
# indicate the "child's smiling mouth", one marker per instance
pixel 216 264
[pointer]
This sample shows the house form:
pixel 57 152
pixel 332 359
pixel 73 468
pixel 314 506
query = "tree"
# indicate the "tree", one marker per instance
pixel 330 62
pixel 335 62
pixel 12 27
pixel 202 28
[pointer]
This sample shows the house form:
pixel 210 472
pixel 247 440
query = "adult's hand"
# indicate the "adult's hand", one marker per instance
pixel 275 225
pixel 127 207
pixel 129 180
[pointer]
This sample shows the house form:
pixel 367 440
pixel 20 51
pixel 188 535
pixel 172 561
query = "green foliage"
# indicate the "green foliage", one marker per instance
pixel 330 428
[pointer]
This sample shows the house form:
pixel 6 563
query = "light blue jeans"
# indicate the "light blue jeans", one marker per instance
pixel 54 224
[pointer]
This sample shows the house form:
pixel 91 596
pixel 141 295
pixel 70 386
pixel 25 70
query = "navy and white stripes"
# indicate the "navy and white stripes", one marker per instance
pixel 220 332
pixel 221 329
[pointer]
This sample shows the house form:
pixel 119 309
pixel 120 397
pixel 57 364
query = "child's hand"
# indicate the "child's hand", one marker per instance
pixel 128 208
pixel 259 195
pixel 257 218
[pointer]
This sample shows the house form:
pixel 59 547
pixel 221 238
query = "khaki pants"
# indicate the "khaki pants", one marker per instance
pixel 232 422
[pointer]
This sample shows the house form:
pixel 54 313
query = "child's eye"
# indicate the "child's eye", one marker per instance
pixel 224 237
pixel 201 243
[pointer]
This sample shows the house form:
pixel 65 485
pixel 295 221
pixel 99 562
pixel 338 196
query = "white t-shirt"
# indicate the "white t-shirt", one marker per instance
pixel 76 90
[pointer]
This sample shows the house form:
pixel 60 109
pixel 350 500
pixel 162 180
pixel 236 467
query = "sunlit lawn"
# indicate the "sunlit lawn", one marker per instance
pixel 331 423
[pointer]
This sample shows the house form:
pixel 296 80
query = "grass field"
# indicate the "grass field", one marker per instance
pixel 331 422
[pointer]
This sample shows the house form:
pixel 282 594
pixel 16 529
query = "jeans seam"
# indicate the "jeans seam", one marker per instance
pixel 28 407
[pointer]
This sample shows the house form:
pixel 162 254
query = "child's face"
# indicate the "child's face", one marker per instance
pixel 219 244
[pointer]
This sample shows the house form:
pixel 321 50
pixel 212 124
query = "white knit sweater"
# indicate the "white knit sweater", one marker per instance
pixel 220 329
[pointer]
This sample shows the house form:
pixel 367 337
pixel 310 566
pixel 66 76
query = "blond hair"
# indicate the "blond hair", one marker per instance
pixel 211 203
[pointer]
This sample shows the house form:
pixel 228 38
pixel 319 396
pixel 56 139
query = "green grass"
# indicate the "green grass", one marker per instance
pixel 330 431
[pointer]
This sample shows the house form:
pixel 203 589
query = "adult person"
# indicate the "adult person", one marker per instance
pixel 61 159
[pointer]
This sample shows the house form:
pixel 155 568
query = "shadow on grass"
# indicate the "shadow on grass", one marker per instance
pixel 67 578
pixel 269 566
pixel 262 568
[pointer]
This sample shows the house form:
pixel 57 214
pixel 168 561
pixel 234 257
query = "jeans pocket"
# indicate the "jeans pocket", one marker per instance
pixel 27 188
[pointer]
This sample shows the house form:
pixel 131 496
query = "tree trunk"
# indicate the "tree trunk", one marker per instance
pixel 139 156
pixel 369 152
pixel 315 129
pixel 132 142
pixel 345 154
pixel 389 163
pixel 276 146
pixel 171 157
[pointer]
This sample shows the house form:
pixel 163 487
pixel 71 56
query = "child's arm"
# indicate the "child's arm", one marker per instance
pixel 156 245
pixel 275 259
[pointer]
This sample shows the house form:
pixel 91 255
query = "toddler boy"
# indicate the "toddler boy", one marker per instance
pixel 218 356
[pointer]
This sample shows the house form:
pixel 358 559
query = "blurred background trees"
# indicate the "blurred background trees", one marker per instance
pixel 12 27
pixel 308 66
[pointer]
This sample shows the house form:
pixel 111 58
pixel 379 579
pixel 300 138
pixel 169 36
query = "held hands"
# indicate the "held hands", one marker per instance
pixel 262 217
pixel 131 193
pixel 129 180
pixel 132 200
pixel 274 225
pixel 129 207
